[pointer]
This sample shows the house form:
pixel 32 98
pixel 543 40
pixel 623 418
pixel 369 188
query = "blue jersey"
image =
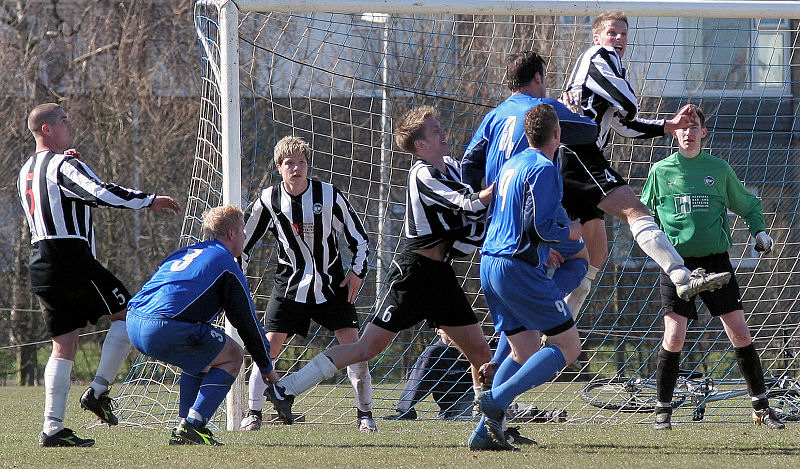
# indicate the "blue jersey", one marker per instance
pixel 526 213
pixel 501 135
pixel 195 284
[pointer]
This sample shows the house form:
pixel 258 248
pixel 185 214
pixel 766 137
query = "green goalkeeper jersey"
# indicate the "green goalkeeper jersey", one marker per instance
pixel 690 198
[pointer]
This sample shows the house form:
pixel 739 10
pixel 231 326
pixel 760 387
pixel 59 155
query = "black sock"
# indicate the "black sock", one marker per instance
pixel 750 367
pixel 666 374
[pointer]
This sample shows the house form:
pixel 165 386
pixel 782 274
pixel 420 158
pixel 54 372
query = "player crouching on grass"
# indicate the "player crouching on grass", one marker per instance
pixel 440 224
pixel 171 318
pixel 689 193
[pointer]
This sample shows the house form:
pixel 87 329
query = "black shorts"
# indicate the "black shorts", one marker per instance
pixel 68 309
pixel 719 302
pixel 588 177
pixel 421 288
pixel 291 317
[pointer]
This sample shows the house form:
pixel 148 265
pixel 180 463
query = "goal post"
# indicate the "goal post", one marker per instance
pixel 339 73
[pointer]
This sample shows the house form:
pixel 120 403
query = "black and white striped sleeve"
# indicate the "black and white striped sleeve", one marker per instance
pixel 80 183
pixel 258 219
pixel 346 221
pixel 435 189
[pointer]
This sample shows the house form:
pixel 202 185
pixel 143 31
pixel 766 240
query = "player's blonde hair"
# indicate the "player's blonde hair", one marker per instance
pixel 290 145
pixel 218 220
pixel 410 127
pixel 610 15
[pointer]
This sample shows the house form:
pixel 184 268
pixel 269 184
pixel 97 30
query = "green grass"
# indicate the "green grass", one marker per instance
pixel 429 444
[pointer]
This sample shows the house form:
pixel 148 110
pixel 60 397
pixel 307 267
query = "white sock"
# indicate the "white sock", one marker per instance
pixel 577 297
pixel 116 347
pixel 56 386
pixel 477 391
pixel 255 389
pixel 318 369
pixel 362 385
pixel 656 245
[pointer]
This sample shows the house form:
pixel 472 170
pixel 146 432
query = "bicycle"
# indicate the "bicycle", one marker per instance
pixel 637 394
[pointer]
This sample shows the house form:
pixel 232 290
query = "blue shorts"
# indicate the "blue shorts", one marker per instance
pixel 520 296
pixel 568 248
pixel 189 345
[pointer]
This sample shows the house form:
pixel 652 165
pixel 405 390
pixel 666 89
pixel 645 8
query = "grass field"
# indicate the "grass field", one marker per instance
pixel 430 444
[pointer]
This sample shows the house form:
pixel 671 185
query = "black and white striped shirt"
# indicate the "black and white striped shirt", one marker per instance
pixel 306 227
pixel 439 208
pixel 58 191
pixel 607 97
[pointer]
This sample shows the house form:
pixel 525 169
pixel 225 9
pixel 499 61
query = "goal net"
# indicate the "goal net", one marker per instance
pixel 340 80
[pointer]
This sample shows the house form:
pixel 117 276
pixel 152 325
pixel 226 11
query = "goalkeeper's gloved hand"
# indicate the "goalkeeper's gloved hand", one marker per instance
pixel 763 242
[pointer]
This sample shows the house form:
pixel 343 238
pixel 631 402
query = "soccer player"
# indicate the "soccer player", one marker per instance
pixel 501 136
pixel 307 217
pixel 690 193
pixel 171 318
pixel 58 192
pixel 598 85
pixel 421 283
pixel 522 299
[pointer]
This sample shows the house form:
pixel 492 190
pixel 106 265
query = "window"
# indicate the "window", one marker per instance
pixel 737 54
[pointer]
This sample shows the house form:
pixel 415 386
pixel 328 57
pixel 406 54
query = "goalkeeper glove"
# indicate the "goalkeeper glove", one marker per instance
pixel 763 242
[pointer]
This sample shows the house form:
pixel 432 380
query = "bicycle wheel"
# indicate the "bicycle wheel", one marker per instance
pixel 786 403
pixel 626 395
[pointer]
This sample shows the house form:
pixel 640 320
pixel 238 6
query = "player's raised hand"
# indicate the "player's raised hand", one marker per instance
pixel 682 119
pixel 353 283
pixel 73 152
pixel 165 205
pixel 572 100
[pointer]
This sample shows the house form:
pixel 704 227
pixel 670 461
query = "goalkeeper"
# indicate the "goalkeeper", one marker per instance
pixel 689 194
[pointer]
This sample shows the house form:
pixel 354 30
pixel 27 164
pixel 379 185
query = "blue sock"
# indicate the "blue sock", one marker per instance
pixel 503 349
pixel 506 370
pixel 189 387
pixel 212 392
pixel 538 369
pixel 569 275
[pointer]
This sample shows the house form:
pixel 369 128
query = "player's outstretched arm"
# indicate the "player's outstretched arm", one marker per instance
pixel 165 205
pixel 681 120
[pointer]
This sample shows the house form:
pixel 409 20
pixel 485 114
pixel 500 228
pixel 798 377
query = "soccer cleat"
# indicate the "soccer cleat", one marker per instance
pixel 767 417
pixel 479 443
pixel 194 435
pixel 99 406
pixel 409 414
pixel 252 422
pixel 700 281
pixel 493 417
pixel 64 437
pixel 662 419
pixel 175 440
pixel 486 375
pixel 513 436
pixel 366 424
pixel 281 402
